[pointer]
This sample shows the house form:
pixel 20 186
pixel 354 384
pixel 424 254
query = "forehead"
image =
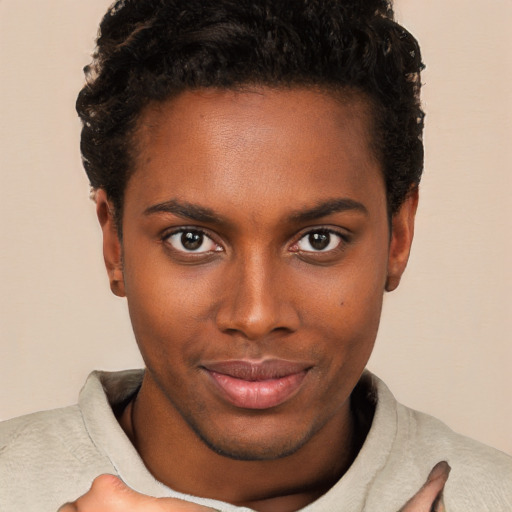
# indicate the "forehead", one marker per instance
pixel 255 146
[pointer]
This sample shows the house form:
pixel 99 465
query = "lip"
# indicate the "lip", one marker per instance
pixel 256 385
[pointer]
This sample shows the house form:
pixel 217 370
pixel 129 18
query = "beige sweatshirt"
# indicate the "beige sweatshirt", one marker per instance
pixel 51 457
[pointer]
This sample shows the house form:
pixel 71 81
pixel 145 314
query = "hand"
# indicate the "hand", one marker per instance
pixel 109 494
pixel 430 497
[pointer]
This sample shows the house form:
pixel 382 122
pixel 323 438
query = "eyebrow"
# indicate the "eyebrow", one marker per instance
pixel 328 208
pixel 185 210
pixel 202 214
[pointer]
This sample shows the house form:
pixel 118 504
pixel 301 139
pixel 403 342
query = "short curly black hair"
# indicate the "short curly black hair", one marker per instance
pixel 151 50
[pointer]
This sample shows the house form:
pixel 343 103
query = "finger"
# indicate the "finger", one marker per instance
pixel 430 497
pixel 108 493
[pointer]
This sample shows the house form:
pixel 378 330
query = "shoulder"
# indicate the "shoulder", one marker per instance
pixel 480 477
pixel 29 438
pixel 16 429
pixel 46 459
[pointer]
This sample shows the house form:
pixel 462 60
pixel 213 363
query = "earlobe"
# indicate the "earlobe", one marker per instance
pixel 402 232
pixel 112 250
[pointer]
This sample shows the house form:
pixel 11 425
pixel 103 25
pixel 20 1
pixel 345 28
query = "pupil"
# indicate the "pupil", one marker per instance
pixel 192 240
pixel 320 240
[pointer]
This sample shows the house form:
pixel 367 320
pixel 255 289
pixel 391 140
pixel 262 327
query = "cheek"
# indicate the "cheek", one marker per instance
pixel 362 304
pixel 348 294
pixel 169 306
pixel 349 336
pixel 346 308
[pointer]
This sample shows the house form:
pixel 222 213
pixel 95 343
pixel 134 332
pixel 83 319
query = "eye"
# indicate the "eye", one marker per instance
pixel 320 240
pixel 192 241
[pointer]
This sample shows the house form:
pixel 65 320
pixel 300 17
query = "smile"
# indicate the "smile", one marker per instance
pixel 256 385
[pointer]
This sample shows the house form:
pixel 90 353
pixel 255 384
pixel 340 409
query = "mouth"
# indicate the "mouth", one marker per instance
pixel 256 385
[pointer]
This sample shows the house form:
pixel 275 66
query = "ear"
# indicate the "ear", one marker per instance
pixel 112 250
pixel 402 232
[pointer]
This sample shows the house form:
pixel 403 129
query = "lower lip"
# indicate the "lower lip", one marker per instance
pixel 263 394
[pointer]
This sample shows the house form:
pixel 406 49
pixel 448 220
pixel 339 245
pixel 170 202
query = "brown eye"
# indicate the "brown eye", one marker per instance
pixel 319 241
pixel 192 240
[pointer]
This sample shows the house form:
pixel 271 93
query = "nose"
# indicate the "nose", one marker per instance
pixel 257 301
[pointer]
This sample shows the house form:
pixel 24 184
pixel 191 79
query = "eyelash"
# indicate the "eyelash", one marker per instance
pixel 343 239
pixel 295 247
pixel 192 230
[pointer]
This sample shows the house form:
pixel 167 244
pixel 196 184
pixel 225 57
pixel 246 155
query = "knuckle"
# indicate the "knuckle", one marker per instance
pixel 105 483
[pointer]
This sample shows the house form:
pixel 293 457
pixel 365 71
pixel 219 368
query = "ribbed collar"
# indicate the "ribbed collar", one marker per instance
pixel 104 391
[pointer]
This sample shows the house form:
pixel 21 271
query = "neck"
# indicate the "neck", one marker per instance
pixel 177 457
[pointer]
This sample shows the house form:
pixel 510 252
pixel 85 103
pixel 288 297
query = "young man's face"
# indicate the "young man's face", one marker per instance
pixel 256 249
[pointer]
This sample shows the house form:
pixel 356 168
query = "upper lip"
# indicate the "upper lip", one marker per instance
pixel 257 370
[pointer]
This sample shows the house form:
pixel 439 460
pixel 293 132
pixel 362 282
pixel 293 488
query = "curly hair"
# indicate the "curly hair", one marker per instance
pixel 150 50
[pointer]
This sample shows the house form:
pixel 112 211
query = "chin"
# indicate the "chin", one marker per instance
pixel 253 452
pixel 254 448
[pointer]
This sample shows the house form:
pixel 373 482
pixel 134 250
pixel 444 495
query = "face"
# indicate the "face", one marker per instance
pixel 256 249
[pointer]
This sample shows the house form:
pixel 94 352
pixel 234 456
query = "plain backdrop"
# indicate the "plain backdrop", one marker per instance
pixel 444 344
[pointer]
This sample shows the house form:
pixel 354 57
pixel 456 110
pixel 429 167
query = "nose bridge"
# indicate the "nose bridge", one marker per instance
pixel 255 304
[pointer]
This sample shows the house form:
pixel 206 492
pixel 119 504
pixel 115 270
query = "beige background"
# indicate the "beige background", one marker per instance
pixel 444 345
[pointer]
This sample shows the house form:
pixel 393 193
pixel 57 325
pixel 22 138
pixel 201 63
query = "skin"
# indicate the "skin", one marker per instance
pixel 108 489
pixel 261 162
pixel 430 497
pixel 109 493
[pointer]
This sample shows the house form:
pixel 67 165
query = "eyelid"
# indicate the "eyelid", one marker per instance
pixel 183 229
pixel 338 232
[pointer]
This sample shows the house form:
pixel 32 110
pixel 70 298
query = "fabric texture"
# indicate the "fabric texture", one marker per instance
pixel 51 457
